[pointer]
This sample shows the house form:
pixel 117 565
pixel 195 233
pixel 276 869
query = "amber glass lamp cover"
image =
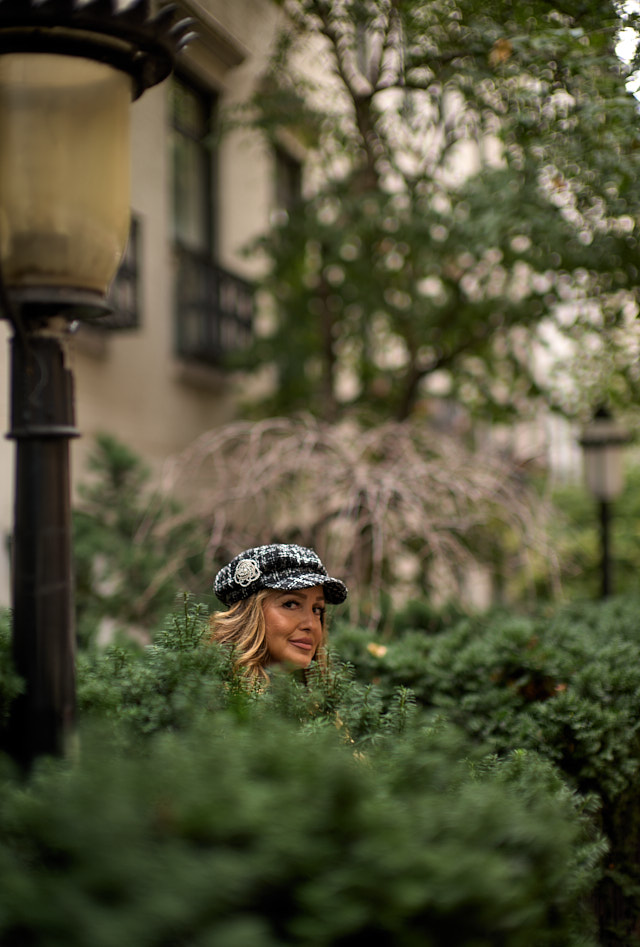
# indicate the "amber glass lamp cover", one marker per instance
pixel 64 174
pixel 68 72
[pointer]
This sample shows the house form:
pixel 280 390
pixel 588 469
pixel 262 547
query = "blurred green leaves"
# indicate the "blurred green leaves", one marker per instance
pixel 472 174
pixel 133 551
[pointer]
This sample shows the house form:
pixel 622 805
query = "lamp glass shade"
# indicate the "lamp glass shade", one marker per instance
pixel 602 442
pixel 64 171
pixel 603 470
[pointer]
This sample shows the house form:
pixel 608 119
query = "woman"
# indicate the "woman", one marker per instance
pixel 277 597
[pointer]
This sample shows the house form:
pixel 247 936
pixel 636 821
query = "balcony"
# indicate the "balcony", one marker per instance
pixel 214 310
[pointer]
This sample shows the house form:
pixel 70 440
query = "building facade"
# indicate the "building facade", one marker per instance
pixel 152 374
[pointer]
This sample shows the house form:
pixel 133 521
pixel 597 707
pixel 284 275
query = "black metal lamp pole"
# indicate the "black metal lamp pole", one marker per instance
pixel 68 71
pixel 602 441
pixel 606 587
pixel 42 422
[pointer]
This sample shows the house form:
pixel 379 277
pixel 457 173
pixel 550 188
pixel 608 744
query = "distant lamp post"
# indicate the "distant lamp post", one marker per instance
pixel 602 442
pixel 69 70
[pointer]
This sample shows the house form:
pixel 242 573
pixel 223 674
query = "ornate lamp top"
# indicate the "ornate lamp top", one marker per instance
pixel 603 431
pixel 126 36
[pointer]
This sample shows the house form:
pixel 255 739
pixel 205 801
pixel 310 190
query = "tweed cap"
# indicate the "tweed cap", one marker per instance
pixel 277 566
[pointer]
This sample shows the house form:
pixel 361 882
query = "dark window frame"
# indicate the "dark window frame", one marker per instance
pixel 207 102
pixel 213 308
pixel 124 296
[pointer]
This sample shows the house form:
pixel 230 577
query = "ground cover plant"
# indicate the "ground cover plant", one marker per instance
pixel 565 684
pixel 198 812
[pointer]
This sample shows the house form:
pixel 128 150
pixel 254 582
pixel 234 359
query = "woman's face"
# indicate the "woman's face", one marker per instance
pixel 294 622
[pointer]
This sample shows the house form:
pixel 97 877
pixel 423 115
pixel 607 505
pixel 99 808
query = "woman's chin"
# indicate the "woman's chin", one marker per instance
pixel 293 662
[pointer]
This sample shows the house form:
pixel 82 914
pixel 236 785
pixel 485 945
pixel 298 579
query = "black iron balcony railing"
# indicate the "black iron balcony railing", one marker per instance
pixel 214 310
pixel 124 295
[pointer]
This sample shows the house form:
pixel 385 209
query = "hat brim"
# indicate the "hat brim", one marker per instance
pixel 335 591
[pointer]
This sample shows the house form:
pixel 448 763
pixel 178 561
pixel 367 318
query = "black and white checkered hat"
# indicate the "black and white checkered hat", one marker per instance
pixel 277 566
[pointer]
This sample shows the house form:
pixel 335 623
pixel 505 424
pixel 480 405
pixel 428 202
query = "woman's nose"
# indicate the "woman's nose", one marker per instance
pixel 309 618
pixel 306 617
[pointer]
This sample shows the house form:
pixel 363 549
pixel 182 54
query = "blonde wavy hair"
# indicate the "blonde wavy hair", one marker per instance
pixel 244 629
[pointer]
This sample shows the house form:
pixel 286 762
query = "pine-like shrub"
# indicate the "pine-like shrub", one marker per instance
pixel 566 685
pixel 199 811
pixel 253 831
pixel 133 549
pixel 181 678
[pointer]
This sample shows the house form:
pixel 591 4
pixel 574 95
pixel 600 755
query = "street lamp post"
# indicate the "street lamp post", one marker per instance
pixel 602 441
pixel 69 70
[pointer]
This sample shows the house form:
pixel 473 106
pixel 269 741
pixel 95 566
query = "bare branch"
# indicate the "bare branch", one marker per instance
pixel 393 508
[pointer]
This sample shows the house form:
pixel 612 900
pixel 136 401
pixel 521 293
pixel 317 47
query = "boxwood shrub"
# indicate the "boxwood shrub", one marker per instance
pixel 197 812
pixel 566 685
pixel 236 832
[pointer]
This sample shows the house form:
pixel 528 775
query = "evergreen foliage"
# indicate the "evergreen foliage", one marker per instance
pixel 181 679
pixel 303 815
pixel 234 834
pixel 133 552
pixel 563 687
pixel 566 685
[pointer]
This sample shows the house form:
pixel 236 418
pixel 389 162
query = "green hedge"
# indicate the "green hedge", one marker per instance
pixel 233 835
pixel 199 813
pixel 565 685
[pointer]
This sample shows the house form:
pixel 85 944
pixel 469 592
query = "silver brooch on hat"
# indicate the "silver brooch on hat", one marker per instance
pixel 246 572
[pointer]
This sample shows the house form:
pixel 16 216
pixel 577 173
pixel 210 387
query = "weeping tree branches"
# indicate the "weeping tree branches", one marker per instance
pixel 398 509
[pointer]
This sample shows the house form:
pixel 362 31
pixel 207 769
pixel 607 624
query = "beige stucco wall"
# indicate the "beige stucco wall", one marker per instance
pixel 130 383
pixel 136 388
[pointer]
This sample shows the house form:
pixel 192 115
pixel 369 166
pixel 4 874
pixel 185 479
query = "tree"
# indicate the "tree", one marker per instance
pixel 398 510
pixel 134 549
pixel 471 201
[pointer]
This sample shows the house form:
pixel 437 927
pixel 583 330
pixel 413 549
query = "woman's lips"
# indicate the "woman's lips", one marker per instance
pixel 302 643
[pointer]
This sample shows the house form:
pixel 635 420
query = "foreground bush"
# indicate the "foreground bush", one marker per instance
pixel 199 813
pixel 260 834
pixel 567 686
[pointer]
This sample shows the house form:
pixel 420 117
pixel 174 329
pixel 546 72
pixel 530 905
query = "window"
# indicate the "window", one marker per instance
pixel 213 308
pixel 192 166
